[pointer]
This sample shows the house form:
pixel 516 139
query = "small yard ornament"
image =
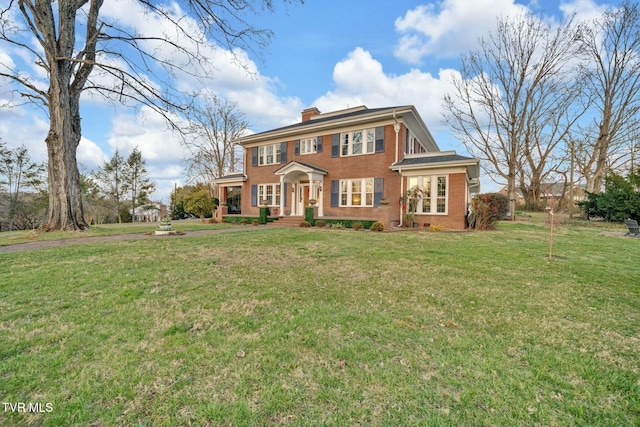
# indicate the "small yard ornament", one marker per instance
pixel 165 226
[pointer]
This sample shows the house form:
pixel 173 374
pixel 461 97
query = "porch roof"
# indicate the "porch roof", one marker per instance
pixel 231 178
pixel 438 160
pixel 295 166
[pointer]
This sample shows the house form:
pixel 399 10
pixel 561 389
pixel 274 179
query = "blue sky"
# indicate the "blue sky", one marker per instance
pixel 326 53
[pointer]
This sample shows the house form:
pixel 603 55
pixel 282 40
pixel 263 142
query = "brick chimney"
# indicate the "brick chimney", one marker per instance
pixel 308 113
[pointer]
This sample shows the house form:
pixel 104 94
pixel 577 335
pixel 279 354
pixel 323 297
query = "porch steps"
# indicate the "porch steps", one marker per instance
pixel 287 221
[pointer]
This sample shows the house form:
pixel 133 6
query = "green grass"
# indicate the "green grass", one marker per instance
pixel 326 327
pixel 14 237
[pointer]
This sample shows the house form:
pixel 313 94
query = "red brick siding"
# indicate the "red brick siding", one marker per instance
pixel 457 206
pixel 364 166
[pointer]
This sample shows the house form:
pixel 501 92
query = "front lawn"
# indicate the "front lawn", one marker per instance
pixel 307 327
pixel 23 236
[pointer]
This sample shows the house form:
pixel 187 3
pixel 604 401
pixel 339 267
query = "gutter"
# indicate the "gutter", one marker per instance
pixel 312 127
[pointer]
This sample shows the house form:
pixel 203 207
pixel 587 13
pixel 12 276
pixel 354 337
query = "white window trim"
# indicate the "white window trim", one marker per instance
pixel 275 194
pixel 366 149
pixel 412 145
pixel 263 156
pixel 434 194
pixel 349 193
pixel 308 146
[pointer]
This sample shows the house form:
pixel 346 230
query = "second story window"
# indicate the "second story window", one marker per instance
pixel 308 146
pixel 269 154
pixel 358 142
pixel 413 145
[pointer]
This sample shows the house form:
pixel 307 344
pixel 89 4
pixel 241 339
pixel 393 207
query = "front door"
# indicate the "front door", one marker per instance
pixel 303 198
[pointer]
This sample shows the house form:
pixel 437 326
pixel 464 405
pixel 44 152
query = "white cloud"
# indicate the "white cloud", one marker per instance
pixel 160 147
pixel 20 126
pixel 584 10
pixel 450 28
pixel 90 156
pixel 232 75
pixel 361 80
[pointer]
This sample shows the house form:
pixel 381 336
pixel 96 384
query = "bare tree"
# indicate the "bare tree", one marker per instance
pixel 80 49
pixel 611 47
pixel 513 102
pixel 213 124
pixel 18 172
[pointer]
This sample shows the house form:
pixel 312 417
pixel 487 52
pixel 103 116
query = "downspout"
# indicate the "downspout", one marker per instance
pixel 244 160
pixel 396 128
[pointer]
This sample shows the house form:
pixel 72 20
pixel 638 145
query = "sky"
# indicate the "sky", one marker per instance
pixel 327 54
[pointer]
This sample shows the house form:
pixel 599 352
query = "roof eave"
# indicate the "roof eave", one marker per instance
pixel 434 165
pixel 311 127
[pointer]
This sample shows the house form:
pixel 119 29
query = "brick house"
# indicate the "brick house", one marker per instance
pixel 357 163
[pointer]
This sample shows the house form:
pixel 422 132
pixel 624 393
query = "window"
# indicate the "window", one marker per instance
pixel 356 192
pixel 269 154
pixel 308 146
pixel 358 142
pixel 413 145
pixel 270 193
pixel 427 194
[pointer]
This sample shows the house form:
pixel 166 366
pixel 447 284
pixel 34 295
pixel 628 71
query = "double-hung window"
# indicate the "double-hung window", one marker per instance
pixel 428 194
pixel 308 146
pixel 358 142
pixel 270 193
pixel 356 192
pixel 269 154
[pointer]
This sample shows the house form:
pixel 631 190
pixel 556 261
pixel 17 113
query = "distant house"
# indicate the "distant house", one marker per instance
pixel 356 163
pixel 558 191
pixel 146 213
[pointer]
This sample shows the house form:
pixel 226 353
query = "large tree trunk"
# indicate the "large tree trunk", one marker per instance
pixel 65 196
pixel 596 180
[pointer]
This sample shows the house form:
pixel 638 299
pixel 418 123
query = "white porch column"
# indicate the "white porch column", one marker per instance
pixel 294 199
pixel 281 211
pixel 321 198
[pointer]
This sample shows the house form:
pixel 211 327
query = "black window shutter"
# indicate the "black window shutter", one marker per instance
pixel 254 156
pixel 296 149
pixel 380 139
pixel 319 144
pixel 283 152
pixel 406 143
pixel 284 195
pixel 378 190
pixel 254 195
pixel 335 193
pixel 335 145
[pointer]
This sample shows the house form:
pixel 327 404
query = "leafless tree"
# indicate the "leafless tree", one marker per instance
pixel 515 100
pixel 17 173
pixel 611 48
pixel 80 49
pixel 213 124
